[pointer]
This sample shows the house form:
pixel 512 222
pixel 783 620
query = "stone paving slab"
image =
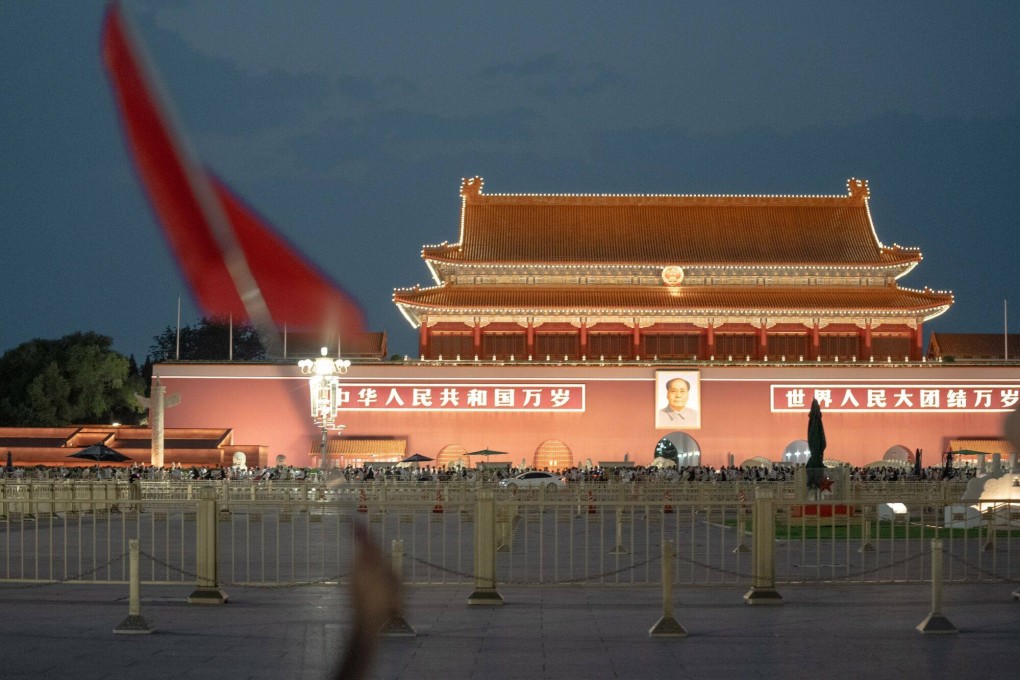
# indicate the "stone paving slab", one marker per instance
pixel 66 631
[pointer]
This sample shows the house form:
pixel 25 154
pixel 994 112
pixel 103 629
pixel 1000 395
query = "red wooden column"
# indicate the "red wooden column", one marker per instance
pixel 918 344
pixel 423 339
pixel 866 349
pixel 636 349
pixel 476 338
pixel 816 344
pixel 584 337
pixel 529 337
pixel 710 339
pixel 763 342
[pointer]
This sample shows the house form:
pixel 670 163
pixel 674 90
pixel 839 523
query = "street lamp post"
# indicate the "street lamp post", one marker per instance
pixel 323 380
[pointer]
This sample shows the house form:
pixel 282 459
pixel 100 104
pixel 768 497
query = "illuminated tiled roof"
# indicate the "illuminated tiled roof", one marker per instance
pixel 686 230
pixel 483 299
pixel 987 346
pixel 360 446
pixel 988 446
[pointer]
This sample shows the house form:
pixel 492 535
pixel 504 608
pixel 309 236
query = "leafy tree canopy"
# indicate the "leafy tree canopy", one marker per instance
pixel 76 379
pixel 209 340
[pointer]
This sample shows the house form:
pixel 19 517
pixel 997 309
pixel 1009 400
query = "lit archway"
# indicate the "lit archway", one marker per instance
pixel 680 448
pixel 552 454
pixel 452 456
pixel 899 453
pixel 796 452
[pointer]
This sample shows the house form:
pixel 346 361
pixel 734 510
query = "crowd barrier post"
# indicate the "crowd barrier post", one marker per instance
pixel 763 522
pixel 485 592
pixel 667 625
pixel 207 590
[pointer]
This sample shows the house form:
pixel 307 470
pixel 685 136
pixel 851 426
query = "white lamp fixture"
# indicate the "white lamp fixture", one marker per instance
pixel 323 380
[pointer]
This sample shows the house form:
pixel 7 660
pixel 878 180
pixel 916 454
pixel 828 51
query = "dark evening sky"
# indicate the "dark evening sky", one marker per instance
pixel 348 126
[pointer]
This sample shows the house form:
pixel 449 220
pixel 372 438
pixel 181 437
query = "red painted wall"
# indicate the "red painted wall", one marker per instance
pixel 269 405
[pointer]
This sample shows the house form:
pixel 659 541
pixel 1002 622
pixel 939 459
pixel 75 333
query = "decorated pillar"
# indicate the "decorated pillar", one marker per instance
pixel 636 349
pixel 530 336
pixel 918 344
pixel 710 338
pixel 816 344
pixel 584 337
pixel 423 339
pixel 157 405
pixel 476 338
pixel 866 345
pixel 763 341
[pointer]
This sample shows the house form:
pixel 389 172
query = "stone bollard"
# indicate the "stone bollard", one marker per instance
pixel 207 589
pixel 619 549
pixel 800 484
pixel 135 623
pixel 485 592
pixel 936 622
pixel 763 585
pixel 28 506
pixel 135 496
pixel 504 529
pixel 743 514
pixel 397 626
pixel 867 516
pixel 667 625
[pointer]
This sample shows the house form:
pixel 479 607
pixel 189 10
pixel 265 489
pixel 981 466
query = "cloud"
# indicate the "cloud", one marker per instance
pixel 543 65
pixel 552 76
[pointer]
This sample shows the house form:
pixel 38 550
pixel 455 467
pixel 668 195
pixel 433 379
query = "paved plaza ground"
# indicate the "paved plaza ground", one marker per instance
pixel 66 631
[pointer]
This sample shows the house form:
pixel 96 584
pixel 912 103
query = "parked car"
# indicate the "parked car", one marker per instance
pixel 534 480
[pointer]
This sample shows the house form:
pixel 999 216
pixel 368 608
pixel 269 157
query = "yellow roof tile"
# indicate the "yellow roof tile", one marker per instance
pixel 669 229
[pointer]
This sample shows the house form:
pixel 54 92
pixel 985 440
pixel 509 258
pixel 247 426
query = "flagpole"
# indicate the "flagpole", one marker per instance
pixel 177 355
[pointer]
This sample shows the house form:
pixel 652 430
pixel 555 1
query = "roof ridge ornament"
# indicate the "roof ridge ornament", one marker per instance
pixel 858 188
pixel 471 187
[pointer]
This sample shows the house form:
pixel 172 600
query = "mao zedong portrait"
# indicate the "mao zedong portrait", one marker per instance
pixel 677 413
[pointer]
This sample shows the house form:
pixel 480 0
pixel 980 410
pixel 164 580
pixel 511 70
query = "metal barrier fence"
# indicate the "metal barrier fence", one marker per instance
pixel 293 534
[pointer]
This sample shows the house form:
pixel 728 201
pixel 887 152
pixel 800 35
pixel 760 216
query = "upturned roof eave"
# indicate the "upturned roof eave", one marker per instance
pixel 930 311
pixel 906 263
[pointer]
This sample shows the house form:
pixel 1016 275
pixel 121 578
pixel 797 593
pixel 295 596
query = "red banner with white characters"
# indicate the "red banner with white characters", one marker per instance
pixel 460 397
pixel 896 398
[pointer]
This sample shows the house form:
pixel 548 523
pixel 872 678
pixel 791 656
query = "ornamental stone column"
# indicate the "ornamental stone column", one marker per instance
pixel 157 405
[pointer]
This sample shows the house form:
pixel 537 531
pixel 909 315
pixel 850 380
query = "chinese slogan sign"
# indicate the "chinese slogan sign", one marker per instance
pixel 900 398
pixel 460 397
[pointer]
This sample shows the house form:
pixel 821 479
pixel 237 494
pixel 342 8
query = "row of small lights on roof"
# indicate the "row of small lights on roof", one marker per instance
pixel 798 196
pixel 620 359
pixel 615 311
pixel 416 288
pixel 446 245
pixel 926 290
pixel 850 183
pixel 577 195
pixel 700 269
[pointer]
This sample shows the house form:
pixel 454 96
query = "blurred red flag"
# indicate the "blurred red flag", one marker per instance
pixel 235 263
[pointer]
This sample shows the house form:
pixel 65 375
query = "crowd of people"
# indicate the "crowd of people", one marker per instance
pixel 403 473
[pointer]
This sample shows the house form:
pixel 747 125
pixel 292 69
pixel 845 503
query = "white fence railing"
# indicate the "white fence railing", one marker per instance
pixel 291 534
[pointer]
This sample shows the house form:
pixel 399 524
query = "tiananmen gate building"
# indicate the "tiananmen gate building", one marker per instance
pixel 557 329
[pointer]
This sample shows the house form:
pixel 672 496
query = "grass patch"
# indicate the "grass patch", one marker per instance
pixel 811 529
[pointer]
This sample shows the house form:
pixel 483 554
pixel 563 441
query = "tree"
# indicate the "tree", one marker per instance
pixel 75 379
pixel 209 340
